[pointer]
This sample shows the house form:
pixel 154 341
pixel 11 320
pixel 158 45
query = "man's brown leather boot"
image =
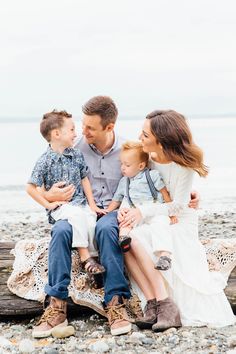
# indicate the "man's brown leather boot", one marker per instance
pixel 117 316
pixel 54 316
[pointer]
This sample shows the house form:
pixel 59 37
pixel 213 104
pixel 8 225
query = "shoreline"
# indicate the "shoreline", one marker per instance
pixel 20 225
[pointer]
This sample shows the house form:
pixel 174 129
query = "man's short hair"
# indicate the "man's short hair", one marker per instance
pixel 137 147
pixel 52 120
pixel 102 106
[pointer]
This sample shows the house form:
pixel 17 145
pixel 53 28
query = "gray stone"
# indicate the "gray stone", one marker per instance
pixel 5 343
pixel 96 334
pixel 231 341
pixel 51 351
pixel 137 335
pixel 173 340
pixel 148 341
pixel 99 346
pixel 26 346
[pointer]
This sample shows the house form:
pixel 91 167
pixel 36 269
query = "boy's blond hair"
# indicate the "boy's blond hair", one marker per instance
pixel 137 147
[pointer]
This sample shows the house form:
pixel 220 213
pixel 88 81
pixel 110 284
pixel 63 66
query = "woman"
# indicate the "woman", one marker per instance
pixel 197 292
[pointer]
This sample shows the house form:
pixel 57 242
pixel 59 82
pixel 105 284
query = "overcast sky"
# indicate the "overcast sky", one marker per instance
pixel 146 54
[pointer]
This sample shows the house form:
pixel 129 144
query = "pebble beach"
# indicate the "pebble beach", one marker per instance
pixel 92 333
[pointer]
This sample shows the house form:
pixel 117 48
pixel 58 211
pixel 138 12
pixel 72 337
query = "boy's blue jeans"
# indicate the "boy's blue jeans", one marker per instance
pixel 111 257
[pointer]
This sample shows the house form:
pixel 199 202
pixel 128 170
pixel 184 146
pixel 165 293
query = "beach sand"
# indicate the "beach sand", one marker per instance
pixel 92 332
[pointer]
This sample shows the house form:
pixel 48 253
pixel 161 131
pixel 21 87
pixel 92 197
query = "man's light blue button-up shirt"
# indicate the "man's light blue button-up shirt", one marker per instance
pixel 104 169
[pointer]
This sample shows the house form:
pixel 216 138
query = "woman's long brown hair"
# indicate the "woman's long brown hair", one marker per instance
pixel 172 132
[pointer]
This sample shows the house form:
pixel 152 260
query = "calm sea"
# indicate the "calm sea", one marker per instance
pixel 22 144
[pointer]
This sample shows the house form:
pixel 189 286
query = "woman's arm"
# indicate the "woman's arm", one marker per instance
pixel 181 189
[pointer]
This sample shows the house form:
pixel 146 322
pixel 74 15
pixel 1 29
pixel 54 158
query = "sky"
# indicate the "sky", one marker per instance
pixel 146 55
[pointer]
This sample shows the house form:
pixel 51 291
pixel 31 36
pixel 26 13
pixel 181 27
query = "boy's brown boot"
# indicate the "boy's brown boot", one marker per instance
pixel 117 316
pixel 167 315
pixel 54 316
pixel 150 315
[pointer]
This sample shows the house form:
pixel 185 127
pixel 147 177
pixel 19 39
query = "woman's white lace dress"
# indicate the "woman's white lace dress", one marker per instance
pixel 197 291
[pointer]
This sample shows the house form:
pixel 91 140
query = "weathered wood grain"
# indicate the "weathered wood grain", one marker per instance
pixel 12 305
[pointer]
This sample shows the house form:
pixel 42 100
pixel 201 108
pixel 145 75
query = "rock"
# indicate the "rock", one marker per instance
pixel 169 331
pixel 51 351
pixel 26 346
pixel 173 340
pixel 231 342
pixel 148 341
pixel 99 346
pixel 4 343
pixel 186 334
pixel 96 334
pixel 137 335
pixel 63 332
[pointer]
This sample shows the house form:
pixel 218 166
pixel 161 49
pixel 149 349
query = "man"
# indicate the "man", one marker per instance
pixel 101 148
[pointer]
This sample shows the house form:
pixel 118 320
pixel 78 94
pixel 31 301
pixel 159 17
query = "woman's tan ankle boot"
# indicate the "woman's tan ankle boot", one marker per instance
pixel 167 315
pixel 150 315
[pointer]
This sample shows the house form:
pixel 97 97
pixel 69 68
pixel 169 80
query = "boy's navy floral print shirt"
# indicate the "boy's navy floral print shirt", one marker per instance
pixel 69 167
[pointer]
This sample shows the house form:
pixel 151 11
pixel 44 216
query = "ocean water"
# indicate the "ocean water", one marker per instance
pixel 21 144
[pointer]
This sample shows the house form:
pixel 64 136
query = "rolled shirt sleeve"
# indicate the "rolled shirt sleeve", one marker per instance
pixel 83 167
pixel 120 191
pixel 37 175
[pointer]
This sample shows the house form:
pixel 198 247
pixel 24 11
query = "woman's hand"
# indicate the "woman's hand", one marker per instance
pixel 131 217
pixel 173 220
pixel 59 192
pixel 195 198
pixel 121 214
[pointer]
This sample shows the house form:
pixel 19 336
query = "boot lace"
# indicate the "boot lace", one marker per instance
pixel 134 305
pixel 115 312
pixel 49 313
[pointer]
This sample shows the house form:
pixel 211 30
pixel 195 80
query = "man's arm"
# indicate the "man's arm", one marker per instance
pixel 57 192
pixel 195 199
pixel 33 192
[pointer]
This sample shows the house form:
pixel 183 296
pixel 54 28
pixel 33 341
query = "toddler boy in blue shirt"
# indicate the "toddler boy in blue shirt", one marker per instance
pixel 138 186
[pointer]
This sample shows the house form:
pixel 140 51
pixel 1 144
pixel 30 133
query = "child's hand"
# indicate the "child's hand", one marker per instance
pixel 173 220
pixel 99 210
pixel 107 210
pixel 54 205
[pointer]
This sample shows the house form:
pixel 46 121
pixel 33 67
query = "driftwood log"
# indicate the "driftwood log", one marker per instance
pixel 12 305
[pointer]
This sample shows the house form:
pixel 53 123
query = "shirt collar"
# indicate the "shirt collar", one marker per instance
pixel 93 147
pixel 138 175
pixel 56 156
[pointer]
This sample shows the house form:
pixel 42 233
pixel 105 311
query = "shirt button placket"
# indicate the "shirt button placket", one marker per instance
pixel 102 173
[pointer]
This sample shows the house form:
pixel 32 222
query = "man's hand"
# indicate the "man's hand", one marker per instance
pixel 194 202
pixel 59 193
pixel 54 205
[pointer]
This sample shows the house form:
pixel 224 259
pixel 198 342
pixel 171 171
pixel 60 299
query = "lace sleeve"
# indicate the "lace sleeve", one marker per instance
pixel 174 209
